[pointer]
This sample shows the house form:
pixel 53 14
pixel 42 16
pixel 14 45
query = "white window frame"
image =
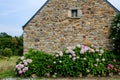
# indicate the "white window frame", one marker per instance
pixel 74 13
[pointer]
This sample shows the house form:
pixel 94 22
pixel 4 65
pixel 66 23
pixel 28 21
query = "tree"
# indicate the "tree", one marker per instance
pixel 3 34
pixel 115 33
pixel 13 43
pixel 7 52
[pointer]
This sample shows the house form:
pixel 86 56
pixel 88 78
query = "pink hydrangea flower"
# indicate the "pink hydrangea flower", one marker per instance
pixel 82 51
pixel 20 66
pixel 25 69
pixel 20 72
pixel 97 50
pixel 114 60
pixel 92 46
pixel 108 68
pixel 25 63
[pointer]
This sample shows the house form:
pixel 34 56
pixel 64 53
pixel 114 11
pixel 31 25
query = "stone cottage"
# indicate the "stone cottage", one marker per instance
pixel 62 23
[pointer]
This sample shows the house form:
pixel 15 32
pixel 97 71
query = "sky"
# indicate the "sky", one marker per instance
pixel 15 13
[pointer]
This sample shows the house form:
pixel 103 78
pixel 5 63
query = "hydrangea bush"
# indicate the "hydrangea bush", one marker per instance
pixel 74 61
pixel 80 59
pixel 22 66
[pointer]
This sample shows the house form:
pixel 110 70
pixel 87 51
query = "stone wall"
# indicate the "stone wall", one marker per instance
pixel 52 30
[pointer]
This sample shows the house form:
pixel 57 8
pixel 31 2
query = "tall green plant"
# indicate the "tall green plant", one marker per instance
pixel 115 33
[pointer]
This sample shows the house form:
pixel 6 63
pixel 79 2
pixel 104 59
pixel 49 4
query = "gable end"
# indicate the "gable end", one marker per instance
pixel 49 0
pixel 35 14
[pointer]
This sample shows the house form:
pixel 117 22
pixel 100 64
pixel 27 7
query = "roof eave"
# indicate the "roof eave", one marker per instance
pixel 35 14
pixel 118 11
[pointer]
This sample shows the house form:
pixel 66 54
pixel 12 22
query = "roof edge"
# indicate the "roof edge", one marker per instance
pixel 35 14
pixel 118 11
pixel 49 0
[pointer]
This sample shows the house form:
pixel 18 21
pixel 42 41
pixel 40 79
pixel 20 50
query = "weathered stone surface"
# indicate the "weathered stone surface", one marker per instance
pixel 52 29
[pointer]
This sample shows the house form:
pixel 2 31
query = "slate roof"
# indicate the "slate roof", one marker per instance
pixel 49 0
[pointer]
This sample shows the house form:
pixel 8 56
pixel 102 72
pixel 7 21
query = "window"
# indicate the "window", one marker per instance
pixel 74 13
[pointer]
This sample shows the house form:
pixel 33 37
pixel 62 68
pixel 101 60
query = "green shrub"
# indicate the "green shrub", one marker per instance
pixel 7 52
pixel 41 65
pixel 115 33
pixel 72 62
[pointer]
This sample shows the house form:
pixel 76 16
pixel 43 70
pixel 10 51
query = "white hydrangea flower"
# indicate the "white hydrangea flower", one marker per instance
pixel 88 70
pixel 73 47
pixel 60 61
pixel 67 51
pixel 97 59
pixel 57 55
pixel 61 53
pixel 54 62
pixel 70 56
pixel 74 58
pixel 103 59
pixel 22 58
pixel 69 48
pixel 78 45
pixel 101 51
pixel 100 54
pixel 84 58
pixel 77 57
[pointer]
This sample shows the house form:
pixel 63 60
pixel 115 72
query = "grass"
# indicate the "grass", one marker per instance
pixel 7 66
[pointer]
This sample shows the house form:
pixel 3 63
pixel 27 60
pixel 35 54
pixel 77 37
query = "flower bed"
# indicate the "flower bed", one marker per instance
pixel 76 61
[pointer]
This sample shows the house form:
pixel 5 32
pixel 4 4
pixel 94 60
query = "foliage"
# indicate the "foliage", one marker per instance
pixel 13 43
pixel 7 52
pixel 115 33
pixel 80 59
pixel 41 63
pixel 72 62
